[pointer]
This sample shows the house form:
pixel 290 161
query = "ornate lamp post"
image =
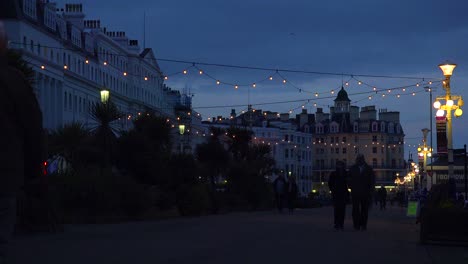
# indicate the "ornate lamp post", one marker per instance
pixel 446 109
pixel 425 151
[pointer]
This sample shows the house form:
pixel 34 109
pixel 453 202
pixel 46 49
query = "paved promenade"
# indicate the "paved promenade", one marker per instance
pixel 260 237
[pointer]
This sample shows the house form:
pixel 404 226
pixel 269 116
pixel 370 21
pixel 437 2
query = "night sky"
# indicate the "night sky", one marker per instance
pixel 372 37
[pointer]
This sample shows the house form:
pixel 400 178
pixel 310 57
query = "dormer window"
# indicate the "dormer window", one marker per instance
pixel 382 127
pixel 391 127
pixel 356 127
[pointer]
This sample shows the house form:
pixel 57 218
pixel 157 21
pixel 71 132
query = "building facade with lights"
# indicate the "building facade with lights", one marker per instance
pixel 74 59
pixel 347 131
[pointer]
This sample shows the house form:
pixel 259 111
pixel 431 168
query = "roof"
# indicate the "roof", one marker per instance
pixel 342 95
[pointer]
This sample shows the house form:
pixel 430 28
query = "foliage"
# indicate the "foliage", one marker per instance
pixel 239 140
pixel 145 151
pixel 70 142
pixel 16 61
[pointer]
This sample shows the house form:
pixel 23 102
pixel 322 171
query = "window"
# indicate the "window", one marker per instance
pixel 374 127
pixel 393 163
pixel 356 127
pixel 286 137
pixel 292 138
pixel 286 153
pixel 332 150
pixel 374 149
pixel 344 150
pixel 344 140
pixel 337 150
pixel 374 163
pixel 382 149
pixel 382 126
pixel 356 150
pixel 374 138
pixel 356 139
pixel 332 140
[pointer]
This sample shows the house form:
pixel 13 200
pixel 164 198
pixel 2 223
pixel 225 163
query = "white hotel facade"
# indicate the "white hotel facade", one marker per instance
pixel 74 59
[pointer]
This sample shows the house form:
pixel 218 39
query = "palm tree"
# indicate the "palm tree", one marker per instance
pixel 104 133
pixel 68 141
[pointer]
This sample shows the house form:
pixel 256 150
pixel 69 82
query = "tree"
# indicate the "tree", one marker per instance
pixel 16 61
pixel 104 134
pixel 145 150
pixel 214 159
pixel 69 141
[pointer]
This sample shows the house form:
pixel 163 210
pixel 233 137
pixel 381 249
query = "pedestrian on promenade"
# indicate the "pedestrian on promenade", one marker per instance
pixel 337 183
pixel 21 141
pixel 292 193
pixel 362 180
pixel 382 194
pixel 279 187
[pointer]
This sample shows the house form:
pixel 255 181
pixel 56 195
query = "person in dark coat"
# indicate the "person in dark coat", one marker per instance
pixel 292 193
pixel 20 142
pixel 362 180
pixel 337 183
pixel 280 188
pixel 382 194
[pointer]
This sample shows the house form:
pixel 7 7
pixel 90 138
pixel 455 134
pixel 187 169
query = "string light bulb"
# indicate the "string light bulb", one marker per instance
pixel 200 72
pixel 166 78
pixel 271 78
pixel 184 71
pixel 124 73
pixel 359 82
pixel 404 89
pixel 375 88
pixel 398 96
pixel 389 91
pixel 65 67
pixel 218 82
pixel 284 81
pixel 42 67
pixel 236 86
pixel 254 85
pixel 430 82
pixel 346 83
pixel 370 97
pixel 316 94
pixel 86 61
pixel 417 85
pixel 414 93
pixel 105 63
pixel 146 78
pixel 332 91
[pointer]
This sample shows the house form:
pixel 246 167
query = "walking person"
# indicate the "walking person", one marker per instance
pixel 292 193
pixel 337 183
pixel 362 181
pixel 382 194
pixel 279 187
pixel 21 141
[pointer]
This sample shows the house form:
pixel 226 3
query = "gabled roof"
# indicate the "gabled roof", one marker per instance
pixel 148 54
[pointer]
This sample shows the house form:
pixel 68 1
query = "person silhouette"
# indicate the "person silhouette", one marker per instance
pixel 362 181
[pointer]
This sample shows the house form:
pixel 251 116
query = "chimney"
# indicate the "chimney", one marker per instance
pixel 284 117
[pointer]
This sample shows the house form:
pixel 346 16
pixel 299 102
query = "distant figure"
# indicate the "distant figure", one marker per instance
pixel 20 141
pixel 279 187
pixel 362 185
pixel 339 189
pixel 382 194
pixel 292 193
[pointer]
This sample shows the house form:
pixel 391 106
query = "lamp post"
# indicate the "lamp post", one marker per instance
pixel 447 69
pixel 104 95
pixel 425 151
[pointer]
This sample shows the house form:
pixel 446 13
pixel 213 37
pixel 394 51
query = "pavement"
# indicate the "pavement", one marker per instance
pixel 306 236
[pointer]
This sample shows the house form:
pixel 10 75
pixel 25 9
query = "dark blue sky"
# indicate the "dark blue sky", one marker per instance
pixel 394 37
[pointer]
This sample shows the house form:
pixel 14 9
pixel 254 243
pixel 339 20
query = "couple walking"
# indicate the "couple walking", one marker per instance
pixel 360 179
pixel 285 192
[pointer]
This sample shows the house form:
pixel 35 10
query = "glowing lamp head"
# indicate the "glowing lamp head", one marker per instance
pixel 449 103
pixel 436 104
pixel 440 113
pixel 181 129
pixel 421 154
pixel 419 149
pixel 447 68
pixel 429 154
pixel 104 96
pixel 425 148
pixel 458 112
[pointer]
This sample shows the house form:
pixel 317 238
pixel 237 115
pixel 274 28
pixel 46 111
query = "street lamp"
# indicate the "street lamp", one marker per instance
pixel 424 152
pixel 447 69
pixel 181 129
pixel 105 95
